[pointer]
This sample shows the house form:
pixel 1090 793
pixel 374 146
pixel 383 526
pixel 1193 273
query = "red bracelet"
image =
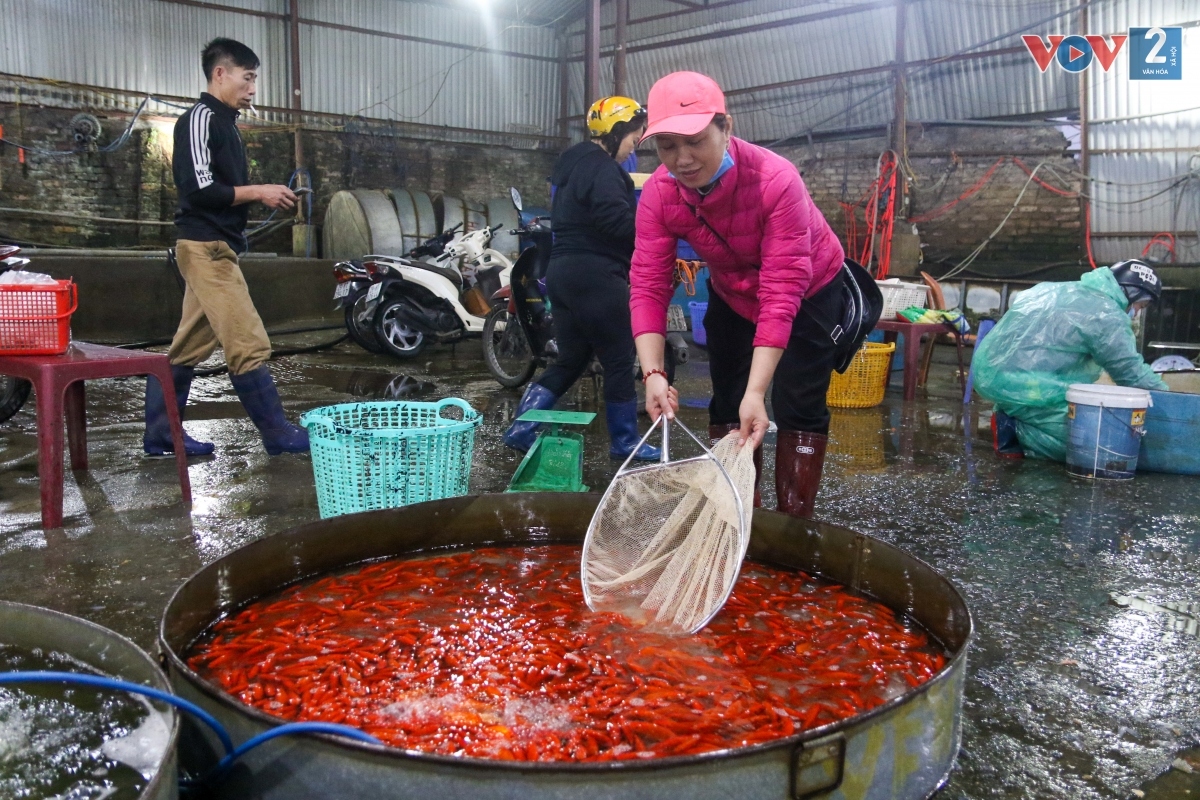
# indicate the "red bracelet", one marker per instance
pixel 646 377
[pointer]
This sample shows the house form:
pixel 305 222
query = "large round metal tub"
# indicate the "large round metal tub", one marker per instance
pixel 903 749
pixel 30 627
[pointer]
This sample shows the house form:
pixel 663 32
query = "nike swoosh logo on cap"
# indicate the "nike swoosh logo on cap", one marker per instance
pixel 685 105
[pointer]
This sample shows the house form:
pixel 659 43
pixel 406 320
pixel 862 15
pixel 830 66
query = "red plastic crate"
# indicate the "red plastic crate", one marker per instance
pixel 35 320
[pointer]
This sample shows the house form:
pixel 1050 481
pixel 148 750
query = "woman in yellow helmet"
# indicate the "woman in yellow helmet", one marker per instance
pixel 588 276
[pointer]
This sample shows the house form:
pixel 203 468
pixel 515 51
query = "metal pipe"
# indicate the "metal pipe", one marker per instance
pixel 231 9
pixel 404 37
pixel 672 14
pixel 296 103
pixel 564 87
pixel 1084 159
pixel 619 47
pixel 591 64
pixel 854 73
pixel 761 26
pixel 899 120
pixel 387 127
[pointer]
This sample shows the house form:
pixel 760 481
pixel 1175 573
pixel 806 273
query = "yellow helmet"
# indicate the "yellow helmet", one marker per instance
pixel 608 111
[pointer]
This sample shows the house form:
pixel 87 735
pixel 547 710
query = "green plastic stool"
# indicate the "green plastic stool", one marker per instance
pixel 555 462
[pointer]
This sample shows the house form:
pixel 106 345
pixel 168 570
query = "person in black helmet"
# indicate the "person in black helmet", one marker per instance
pixel 1057 334
pixel 588 276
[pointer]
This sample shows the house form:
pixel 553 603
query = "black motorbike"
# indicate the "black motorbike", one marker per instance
pixel 13 391
pixel 518 334
pixel 353 283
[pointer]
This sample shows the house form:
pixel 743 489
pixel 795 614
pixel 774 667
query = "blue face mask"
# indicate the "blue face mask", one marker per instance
pixel 726 165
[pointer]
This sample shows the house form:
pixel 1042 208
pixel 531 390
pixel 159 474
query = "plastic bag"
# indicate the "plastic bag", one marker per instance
pixel 19 277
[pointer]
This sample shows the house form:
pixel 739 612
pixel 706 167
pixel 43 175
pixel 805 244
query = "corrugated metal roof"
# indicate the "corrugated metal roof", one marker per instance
pixel 1002 85
pixel 536 11
pixel 442 23
pixel 361 75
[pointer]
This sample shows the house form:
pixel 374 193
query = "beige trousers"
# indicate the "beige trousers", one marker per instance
pixel 217 309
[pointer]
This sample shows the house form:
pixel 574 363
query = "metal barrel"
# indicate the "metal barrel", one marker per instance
pixel 30 627
pixel 362 222
pixel 902 749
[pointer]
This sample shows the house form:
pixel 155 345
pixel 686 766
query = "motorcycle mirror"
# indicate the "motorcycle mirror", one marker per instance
pixel 516 198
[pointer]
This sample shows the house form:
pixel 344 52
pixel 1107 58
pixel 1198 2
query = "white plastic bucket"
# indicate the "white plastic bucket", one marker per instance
pixel 1104 430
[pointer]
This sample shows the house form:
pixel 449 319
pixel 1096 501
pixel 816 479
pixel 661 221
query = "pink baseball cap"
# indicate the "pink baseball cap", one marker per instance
pixel 683 103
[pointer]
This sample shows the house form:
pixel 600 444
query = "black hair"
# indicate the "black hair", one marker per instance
pixel 611 141
pixel 721 121
pixel 228 50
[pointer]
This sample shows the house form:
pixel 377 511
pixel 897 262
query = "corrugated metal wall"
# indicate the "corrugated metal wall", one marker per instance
pixel 833 38
pixel 137 45
pixel 1140 166
pixel 153 47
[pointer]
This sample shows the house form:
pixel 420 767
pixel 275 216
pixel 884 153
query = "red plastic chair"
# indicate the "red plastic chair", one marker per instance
pixel 58 382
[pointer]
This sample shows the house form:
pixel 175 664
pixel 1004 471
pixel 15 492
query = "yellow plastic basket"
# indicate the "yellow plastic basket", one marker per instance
pixel 863 383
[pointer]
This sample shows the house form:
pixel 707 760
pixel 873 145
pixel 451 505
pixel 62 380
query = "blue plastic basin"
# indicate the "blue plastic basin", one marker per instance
pixel 1172 431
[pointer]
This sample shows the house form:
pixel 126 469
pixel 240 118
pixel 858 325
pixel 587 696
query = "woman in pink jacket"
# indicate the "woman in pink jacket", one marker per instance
pixel 775 271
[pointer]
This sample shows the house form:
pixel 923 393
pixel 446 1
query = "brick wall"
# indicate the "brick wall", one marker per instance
pixel 946 161
pixel 135 182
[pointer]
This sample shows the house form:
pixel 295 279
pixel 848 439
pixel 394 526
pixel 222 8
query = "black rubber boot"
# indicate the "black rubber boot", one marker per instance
pixel 157 441
pixel 623 433
pixel 256 389
pixel 1004 436
pixel 521 435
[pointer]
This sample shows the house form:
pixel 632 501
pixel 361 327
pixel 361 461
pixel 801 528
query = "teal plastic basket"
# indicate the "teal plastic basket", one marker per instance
pixel 368 456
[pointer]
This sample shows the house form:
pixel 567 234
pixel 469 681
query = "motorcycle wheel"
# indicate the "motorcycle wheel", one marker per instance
pixel 398 338
pixel 506 350
pixel 363 335
pixel 13 394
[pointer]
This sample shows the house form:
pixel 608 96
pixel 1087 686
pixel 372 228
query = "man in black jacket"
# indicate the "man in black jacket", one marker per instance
pixel 214 199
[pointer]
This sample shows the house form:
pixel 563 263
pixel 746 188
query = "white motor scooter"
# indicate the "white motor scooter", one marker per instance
pixel 441 299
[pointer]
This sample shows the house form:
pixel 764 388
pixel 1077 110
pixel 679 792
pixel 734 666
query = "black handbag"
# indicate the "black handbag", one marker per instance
pixel 862 305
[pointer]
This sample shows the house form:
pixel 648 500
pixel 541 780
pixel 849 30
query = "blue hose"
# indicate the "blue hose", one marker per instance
pixel 123 686
pixel 289 729
pixel 232 754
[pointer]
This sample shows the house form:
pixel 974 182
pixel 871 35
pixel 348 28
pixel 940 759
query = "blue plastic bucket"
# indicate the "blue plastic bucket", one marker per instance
pixel 1104 430
pixel 1172 433
pixel 698 334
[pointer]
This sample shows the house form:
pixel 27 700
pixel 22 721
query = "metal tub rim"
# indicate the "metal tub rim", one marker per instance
pixel 167 770
pixel 215 693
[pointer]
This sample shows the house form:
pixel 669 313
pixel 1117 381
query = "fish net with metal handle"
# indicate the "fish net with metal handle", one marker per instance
pixel 667 540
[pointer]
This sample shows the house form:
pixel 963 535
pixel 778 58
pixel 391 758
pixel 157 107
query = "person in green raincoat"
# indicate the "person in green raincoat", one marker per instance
pixel 1057 334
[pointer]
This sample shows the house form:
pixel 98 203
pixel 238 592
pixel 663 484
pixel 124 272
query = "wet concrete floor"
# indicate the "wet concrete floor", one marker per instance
pixel 1084 671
